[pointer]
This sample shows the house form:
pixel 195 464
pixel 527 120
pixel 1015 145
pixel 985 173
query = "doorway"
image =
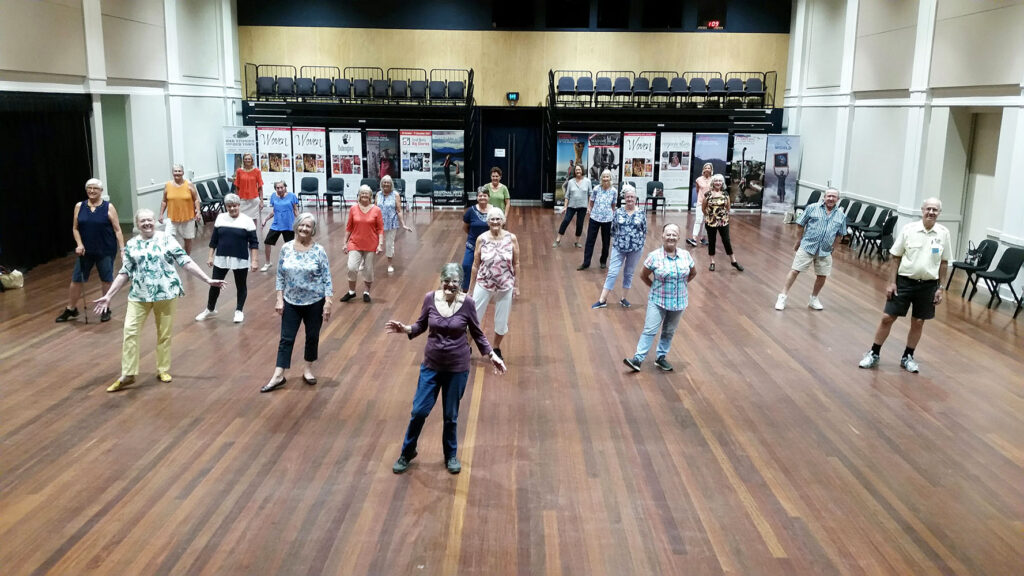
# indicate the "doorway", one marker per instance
pixel 511 140
pixel 983 204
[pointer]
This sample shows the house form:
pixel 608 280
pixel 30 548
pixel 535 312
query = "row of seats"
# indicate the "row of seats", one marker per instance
pixel 580 87
pixel 310 186
pixel 398 85
pixel 871 227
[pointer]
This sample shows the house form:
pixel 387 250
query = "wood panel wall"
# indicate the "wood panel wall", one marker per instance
pixel 514 61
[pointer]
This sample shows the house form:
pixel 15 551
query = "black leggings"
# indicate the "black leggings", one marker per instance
pixel 242 292
pixel 580 214
pixel 605 228
pixel 714 231
pixel 312 315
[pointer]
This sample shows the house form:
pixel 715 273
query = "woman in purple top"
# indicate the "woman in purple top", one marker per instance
pixel 446 315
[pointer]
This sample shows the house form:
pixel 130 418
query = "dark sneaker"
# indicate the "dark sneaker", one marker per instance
pixel 453 465
pixel 691 242
pixel 633 363
pixel 497 352
pixel 402 464
pixel 366 296
pixel 348 296
pixel 105 316
pixel 663 364
pixel 603 266
pixel 703 241
pixel 625 303
pixel 583 267
pixel 67 315
pixel 598 304
pixel 737 266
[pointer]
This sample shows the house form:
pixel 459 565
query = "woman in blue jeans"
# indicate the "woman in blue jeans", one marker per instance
pixel 668 271
pixel 629 232
pixel 446 315
pixel 474 223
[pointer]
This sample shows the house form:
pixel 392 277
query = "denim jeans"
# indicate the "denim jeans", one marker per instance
pixel 451 385
pixel 624 262
pixel 657 317
pixel 580 214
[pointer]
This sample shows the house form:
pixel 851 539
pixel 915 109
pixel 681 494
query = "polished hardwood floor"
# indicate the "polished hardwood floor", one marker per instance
pixel 767 451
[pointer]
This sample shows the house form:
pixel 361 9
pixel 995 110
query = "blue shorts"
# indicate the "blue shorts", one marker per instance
pixel 83 266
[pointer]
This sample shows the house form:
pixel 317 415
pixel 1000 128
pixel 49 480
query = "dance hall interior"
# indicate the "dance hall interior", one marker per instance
pixel 563 287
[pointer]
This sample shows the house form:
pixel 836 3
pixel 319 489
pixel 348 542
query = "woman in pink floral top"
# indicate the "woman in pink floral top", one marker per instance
pixel 496 270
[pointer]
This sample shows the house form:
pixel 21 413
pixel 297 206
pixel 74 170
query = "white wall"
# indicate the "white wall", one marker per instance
pixel 202 120
pixel 966 46
pixel 134 39
pixel 876 154
pixel 826 43
pixel 32 48
pixel 150 150
pixel 199 54
pixel 987 203
pixel 886 30
pixel 819 126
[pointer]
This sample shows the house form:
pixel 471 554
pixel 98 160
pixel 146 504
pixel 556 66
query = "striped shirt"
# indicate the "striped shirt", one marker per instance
pixel 670 273
pixel 821 229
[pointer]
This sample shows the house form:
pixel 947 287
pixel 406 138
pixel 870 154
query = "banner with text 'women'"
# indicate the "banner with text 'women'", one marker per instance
pixel 309 150
pixel 638 161
pixel 275 161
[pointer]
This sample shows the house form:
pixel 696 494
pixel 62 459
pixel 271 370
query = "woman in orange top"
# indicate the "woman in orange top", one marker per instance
pixel 181 202
pixel 365 228
pixel 249 182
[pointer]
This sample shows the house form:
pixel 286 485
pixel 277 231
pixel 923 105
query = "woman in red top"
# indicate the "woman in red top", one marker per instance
pixel 365 228
pixel 249 182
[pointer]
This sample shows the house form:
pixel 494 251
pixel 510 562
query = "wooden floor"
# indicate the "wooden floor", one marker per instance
pixel 767 451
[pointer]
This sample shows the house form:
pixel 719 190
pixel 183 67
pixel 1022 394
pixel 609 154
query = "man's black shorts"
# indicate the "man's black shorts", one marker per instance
pixel 920 293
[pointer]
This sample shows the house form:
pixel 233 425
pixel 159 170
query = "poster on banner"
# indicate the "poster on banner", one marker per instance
pixel 603 154
pixel 746 171
pixel 570 151
pixel 309 151
pixel 275 151
pixel 713 148
pixel 448 152
pixel 415 149
pixel 638 160
pixel 382 154
pixel 782 171
pixel 238 140
pixel 674 166
pixel 347 159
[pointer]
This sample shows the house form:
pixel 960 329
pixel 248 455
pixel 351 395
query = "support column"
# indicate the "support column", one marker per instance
pixel 96 78
pixel 845 115
pixel 919 114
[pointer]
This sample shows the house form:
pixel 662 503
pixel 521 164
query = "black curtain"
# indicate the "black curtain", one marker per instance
pixel 45 158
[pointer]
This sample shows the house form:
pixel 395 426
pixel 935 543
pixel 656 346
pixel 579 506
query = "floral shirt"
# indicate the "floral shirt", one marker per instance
pixel 668 289
pixel 304 276
pixel 717 214
pixel 389 210
pixel 496 273
pixel 629 231
pixel 603 200
pixel 149 263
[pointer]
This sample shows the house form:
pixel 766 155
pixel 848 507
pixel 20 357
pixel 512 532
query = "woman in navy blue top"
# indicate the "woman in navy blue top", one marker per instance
pixel 98 240
pixel 474 224
pixel 233 246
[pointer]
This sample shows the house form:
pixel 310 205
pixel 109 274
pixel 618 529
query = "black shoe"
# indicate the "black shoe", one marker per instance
pixel 712 267
pixel 497 352
pixel 703 241
pixel 625 303
pixel 67 314
pixel 583 267
pixel 366 296
pixel 603 266
pixel 402 464
pixel 633 363
pixel 348 296
pixel 737 266
pixel 310 381
pixel 269 387
pixel 663 364
pixel 453 465
pixel 691 242
pixel 105 316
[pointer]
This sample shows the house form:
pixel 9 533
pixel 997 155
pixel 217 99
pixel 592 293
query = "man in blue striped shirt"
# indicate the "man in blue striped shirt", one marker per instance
pixel 820 225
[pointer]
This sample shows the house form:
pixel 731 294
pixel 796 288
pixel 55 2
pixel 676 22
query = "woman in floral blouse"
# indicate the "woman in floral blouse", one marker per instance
pixel 716 208
pixel 600 210
pixel 304 293
pixel 496 271
pixel 629 232
pixel 391 210
pixel 148 263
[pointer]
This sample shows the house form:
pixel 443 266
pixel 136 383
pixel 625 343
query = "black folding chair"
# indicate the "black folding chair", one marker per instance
pixel 1005 273
pixel 310 186
pixel 335 187
pixel 877 239
pixel 424 189
pixel 987 251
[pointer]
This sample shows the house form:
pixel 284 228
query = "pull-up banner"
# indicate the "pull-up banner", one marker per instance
pixel 382 154
pixel 674 167
pixel 713 148
pixel 746 185
pixel 309 148
pixel 570 152
pixel 781 173
pixel 448 152
pixel 638 161
pixel 347 159
pixel 275 146
pixel 415 147
pixel 603 154
pixel 238 141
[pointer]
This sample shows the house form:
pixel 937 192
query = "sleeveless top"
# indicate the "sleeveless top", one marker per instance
pixel 96 231
pixel 180 207
pixel 716 216
pixel 388 209
pixel 496 273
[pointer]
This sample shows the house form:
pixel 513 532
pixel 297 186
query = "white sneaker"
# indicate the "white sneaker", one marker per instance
pixel 870 360
pixel 265 267
pixel 205 314
pixel 815 303
pixel 239 317
pixel 909 364
pixel 391 269
pixel 780 302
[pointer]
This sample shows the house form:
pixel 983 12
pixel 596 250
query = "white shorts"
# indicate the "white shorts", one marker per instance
pixel 502 306
pixel 185 230
pixel 802 261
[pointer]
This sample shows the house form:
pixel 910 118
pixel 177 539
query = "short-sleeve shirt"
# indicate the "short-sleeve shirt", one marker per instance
pixel 717 214
pixel 284 214
pixel 364 229
pixel 497 196
pixel 922 251
pixel 477 225
pixel 249 183
pixel 577 192
pixel 303 276
pixel 149 263
pixel 821 229
pixel 629 231
pixel 603 200
pixel 668 289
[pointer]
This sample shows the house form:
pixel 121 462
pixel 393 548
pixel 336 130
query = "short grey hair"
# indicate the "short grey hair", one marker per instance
pixel 719 178
pixel 836 190
pixel 141 212
pixel 282 182
pixel 388 178
pixel 302 218
pixel 451 271
pixel 232 199
pixel 94 182
pixel 364 188
pixel 606 171
pixel 932 200
pixel 177 167
pixel 628 189
pixel 495 212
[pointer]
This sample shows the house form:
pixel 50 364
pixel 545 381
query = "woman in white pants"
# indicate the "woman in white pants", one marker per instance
pixel 496 271
pixel 703 185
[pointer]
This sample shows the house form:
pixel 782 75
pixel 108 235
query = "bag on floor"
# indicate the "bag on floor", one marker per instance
pixel 11 279
pixel 973 255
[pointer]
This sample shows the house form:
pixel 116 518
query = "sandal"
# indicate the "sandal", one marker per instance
pixel 121 383
pixel 270 386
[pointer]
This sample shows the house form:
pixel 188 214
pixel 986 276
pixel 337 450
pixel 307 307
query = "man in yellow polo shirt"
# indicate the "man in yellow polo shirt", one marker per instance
pixel 922 250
